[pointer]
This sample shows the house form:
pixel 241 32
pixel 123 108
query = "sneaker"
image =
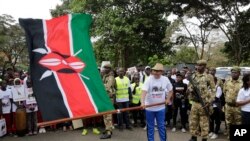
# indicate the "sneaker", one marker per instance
pixel 70 128
pixel 64 128
pixel 40 130
pixel 210 134
pixel 35 133
pixel 173 129
pixel 30 133
pixel 183 130
pixel 44 130
pixel 15 136
pixel 214 136
pixel 84 132
pixel 96 131
pixel 145 128
pixel 156 129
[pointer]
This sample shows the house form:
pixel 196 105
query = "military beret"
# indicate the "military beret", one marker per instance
pixel 107 66
pixel 236 68
pixel 201 62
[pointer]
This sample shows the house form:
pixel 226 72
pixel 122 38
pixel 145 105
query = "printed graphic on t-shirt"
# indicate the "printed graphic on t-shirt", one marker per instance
pixel 157 92
pixel 5 101
pixel 6 104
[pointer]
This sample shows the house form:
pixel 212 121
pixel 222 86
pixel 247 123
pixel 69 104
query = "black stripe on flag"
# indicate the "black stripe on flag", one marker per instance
pixel 47 93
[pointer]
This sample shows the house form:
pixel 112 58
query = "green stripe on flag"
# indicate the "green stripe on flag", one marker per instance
pixel 80 24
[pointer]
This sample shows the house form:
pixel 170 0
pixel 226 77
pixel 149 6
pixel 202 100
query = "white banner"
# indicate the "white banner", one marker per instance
pixel 30 99
pixel 3 128
pixel 18 93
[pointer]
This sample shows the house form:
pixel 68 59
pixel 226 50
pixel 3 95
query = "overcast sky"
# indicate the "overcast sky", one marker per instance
pixel 28 8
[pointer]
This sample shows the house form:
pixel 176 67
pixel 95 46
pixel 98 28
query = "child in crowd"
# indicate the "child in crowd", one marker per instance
pixel 31 109
pixel 6 100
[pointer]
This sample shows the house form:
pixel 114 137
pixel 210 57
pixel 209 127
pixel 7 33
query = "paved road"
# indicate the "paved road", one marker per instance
pixel 138 134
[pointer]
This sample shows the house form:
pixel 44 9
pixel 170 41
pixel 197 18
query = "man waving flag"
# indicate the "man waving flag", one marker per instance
pixel 65 78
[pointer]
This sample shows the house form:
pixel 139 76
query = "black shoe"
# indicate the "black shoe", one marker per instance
pixel 135 125
pixel 105 136
pixel 204 139
pixel 129 128
pixel 120 128
pixel 193 138
pixel 143 125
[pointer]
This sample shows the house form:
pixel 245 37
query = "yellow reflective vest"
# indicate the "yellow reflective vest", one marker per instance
pixel 122 86
pixel 137 96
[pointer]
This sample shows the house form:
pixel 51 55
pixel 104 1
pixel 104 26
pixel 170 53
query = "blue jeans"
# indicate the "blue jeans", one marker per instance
pixel 160 119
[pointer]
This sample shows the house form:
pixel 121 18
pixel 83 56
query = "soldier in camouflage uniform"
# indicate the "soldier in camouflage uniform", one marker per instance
pixel 231 89
pixel 198 117
pixel 109 82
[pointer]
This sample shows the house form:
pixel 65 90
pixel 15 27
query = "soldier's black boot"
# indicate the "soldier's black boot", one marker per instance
pixel 204 139
pixel 106 135
pixel 193 138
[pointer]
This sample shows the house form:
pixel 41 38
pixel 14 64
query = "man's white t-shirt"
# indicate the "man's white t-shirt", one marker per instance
pixel 157 90
pixel 242 96
pixel 5 96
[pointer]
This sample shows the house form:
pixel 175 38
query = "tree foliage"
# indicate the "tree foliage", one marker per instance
pixel 128 31
pixel 12 41
pixel 228 15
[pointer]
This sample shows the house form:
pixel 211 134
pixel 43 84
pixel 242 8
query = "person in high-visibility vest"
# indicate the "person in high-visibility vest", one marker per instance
pixel 123 96
pixel 136 88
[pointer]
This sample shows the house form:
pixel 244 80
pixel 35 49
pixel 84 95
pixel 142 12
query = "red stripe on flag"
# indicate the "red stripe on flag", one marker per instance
pixel 76 94
pixel 58 35
pixel 58 40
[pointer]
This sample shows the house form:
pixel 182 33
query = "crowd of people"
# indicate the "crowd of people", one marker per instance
pixel 197 98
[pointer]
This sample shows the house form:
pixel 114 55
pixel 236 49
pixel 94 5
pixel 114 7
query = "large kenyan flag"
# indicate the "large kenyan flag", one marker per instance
pixel 66 81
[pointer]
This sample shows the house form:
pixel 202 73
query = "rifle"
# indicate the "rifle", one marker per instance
pixel 197 93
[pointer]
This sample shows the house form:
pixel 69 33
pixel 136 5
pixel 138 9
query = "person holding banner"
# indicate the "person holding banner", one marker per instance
pixel 6 100
pixel 156 89
pixel 31 108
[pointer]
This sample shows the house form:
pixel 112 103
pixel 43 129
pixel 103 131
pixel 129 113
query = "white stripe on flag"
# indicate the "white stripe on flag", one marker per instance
pixel 45 35
pixel 70 35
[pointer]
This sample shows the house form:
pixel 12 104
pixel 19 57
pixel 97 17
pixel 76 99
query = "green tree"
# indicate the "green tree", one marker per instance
pixel 128 31
pixel 12 41
pixel 185 54
pixel 228 15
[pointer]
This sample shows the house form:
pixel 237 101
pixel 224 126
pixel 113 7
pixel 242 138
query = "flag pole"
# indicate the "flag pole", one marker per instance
pixel 48 123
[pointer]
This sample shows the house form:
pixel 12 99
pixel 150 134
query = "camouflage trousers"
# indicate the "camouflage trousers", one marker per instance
pixel 198 121
pixel 232 116
pixel 108 122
